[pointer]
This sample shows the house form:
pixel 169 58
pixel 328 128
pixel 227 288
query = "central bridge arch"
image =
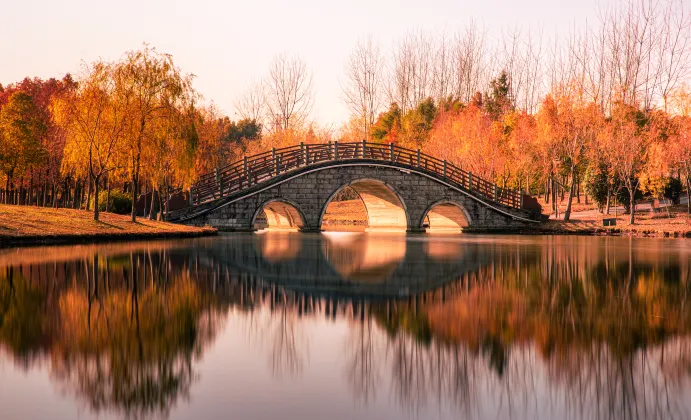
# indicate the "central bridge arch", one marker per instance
pixel 384 207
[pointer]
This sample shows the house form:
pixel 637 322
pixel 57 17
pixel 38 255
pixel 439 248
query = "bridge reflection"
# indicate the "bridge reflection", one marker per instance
pixel 356 265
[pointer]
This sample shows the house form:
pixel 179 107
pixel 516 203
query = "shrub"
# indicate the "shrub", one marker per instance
pixel 597 184
pixel 120 203
pixel 673 190
pixel 624 198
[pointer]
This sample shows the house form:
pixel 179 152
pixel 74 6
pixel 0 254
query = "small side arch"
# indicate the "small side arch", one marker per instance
pixel 384 206
pixel 279 214
pixel 445 215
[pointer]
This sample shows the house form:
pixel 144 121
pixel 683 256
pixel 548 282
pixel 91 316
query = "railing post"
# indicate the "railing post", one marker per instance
pixel 364 147
pixel 495 193
pixel 444 168
pixel 217 173
pixel 307 154
pixel 521 200
pixel 331 149
pixel 302 153
pixel 418 157
pixel 470 181
pixel 336 150
pixel 190 196
pixel 391 152
pixel 274 158
pixel 245 171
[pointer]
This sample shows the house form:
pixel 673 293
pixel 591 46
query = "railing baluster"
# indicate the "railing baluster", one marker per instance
pixel 236 176
pixel 245 172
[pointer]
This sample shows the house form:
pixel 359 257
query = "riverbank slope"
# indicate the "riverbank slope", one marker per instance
pixel 676 223
pixel 28 225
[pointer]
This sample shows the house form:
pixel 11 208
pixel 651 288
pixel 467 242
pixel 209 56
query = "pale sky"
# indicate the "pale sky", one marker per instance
pixel 229 44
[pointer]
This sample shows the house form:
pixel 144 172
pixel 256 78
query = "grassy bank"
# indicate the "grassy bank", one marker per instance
pixel 675 224
pixel 26 225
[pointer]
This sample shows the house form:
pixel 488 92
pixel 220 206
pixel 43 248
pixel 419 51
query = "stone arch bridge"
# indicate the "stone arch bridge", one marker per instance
pixel 399 187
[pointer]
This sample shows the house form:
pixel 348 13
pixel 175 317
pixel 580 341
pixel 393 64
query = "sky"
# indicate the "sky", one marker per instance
pixel 228 45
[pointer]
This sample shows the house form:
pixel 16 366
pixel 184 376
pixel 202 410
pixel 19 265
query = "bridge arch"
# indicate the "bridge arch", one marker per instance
pixel 279 213
pixel 446 215
pixel 384 206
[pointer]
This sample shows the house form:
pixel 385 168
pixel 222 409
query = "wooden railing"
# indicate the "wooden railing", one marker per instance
pixel 252 170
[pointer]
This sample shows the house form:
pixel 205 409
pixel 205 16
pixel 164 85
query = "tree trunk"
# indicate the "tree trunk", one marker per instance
pixel 688 194
pixel 609 199
pixel 108 194
pixel 146 201
pixel 152 210
pixel 89 188
pixel 632 205
pixel 96 182
pixel 555 194
pixel 165 212
pixel 75 196
pixel 31 189
pixel 135 181
pixel 21 197
pixel 567 212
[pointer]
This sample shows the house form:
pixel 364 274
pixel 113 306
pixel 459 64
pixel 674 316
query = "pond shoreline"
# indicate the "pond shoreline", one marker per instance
pixel 635 233
pixel 35 240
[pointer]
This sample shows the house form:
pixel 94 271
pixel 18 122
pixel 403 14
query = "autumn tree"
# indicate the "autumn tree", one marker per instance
pixel 626 144
pixel 95 122
pixel 148 83
pixel 170 152
pixel 679 151
pixel 573 124
pixel 21 132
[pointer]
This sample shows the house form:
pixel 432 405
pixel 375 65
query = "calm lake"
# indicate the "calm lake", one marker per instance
pixel 348 325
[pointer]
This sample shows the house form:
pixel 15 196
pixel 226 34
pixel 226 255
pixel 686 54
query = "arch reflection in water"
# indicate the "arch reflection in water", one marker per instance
pixel 362 257
pixel 382 206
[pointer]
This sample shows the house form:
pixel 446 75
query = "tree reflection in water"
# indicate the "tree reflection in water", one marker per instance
pixel 548 327
pixel 120 333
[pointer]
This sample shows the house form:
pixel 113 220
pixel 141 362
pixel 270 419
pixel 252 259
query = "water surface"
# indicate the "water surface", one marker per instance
pixel 348 325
